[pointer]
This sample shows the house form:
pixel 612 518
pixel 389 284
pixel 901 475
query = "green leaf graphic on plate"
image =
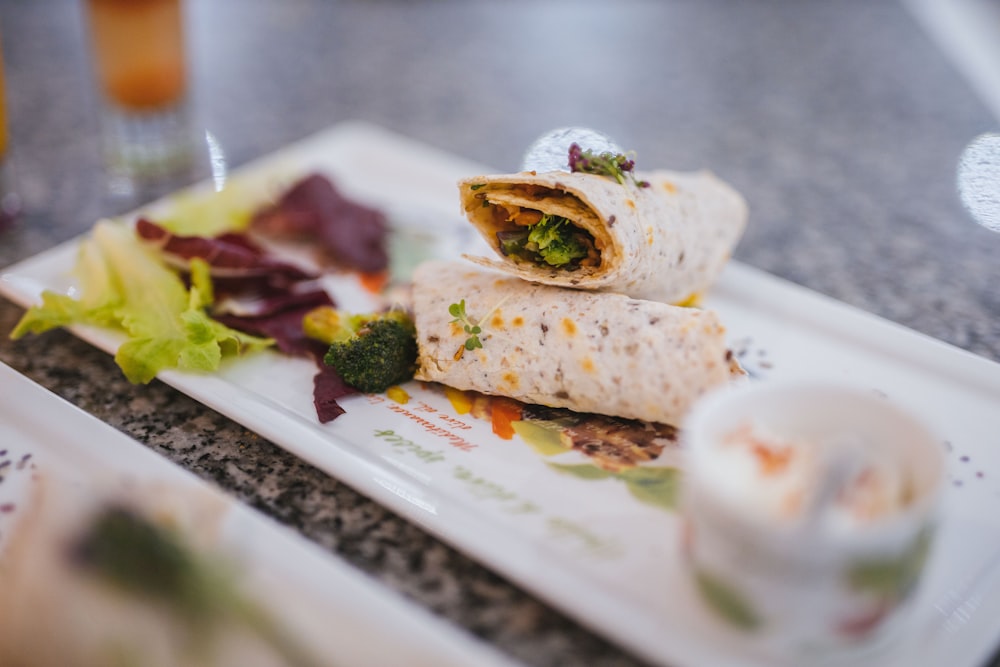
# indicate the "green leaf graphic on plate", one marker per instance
pixel 582 470
pixel 654 486
pixel 726 601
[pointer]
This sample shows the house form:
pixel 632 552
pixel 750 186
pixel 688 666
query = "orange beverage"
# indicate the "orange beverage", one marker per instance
pixel 139 51
pixel 3 111
pixel 10 202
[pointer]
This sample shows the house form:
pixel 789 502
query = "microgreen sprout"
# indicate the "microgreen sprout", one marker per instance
pixel 457 310
pixel 615 165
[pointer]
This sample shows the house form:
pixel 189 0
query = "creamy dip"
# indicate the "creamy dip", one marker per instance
pixel 840 481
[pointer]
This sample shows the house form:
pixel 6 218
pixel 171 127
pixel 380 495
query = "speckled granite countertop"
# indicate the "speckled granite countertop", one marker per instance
pixel 841 122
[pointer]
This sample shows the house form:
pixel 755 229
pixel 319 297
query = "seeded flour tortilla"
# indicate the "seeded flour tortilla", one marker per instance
pixel 666 242
pixel 586 351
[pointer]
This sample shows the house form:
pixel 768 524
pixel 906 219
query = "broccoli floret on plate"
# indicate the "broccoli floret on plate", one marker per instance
pixel 370 352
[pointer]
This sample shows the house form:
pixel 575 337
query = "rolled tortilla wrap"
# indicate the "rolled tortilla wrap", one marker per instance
pixel 666 242
pixel 586 351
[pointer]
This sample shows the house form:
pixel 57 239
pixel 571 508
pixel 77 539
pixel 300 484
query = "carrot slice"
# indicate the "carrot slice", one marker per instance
pixel 374 283
pixel 504 412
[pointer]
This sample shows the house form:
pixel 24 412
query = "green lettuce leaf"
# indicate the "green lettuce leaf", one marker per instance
pixel 95 304
pixel 56 310
pixel 211 213
pixel 124 283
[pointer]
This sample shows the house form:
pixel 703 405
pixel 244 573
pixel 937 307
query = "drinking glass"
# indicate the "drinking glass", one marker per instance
pixel 139 62
pixel 10 202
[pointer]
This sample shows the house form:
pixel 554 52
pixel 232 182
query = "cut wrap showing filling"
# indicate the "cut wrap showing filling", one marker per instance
pixel 541 226
pixel 666 241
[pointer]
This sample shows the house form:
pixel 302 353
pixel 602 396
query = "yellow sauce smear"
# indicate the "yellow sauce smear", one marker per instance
pixel 691 301
pixel 459 400
pixel 397 394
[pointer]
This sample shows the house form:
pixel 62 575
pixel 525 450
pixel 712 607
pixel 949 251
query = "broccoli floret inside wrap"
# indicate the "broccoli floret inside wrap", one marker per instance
pixel 552 239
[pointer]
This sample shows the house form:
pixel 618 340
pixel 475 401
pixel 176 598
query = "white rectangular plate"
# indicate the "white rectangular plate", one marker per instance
pixel 340 613
pixel 589 546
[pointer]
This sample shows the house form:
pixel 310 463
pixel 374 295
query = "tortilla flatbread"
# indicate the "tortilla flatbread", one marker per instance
pixel 586 351
pixel 665 242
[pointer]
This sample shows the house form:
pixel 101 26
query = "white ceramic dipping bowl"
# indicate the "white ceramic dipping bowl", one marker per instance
pixel 787 581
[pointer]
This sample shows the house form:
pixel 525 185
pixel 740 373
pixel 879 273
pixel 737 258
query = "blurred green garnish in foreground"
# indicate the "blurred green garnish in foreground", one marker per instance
pixel 145 560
